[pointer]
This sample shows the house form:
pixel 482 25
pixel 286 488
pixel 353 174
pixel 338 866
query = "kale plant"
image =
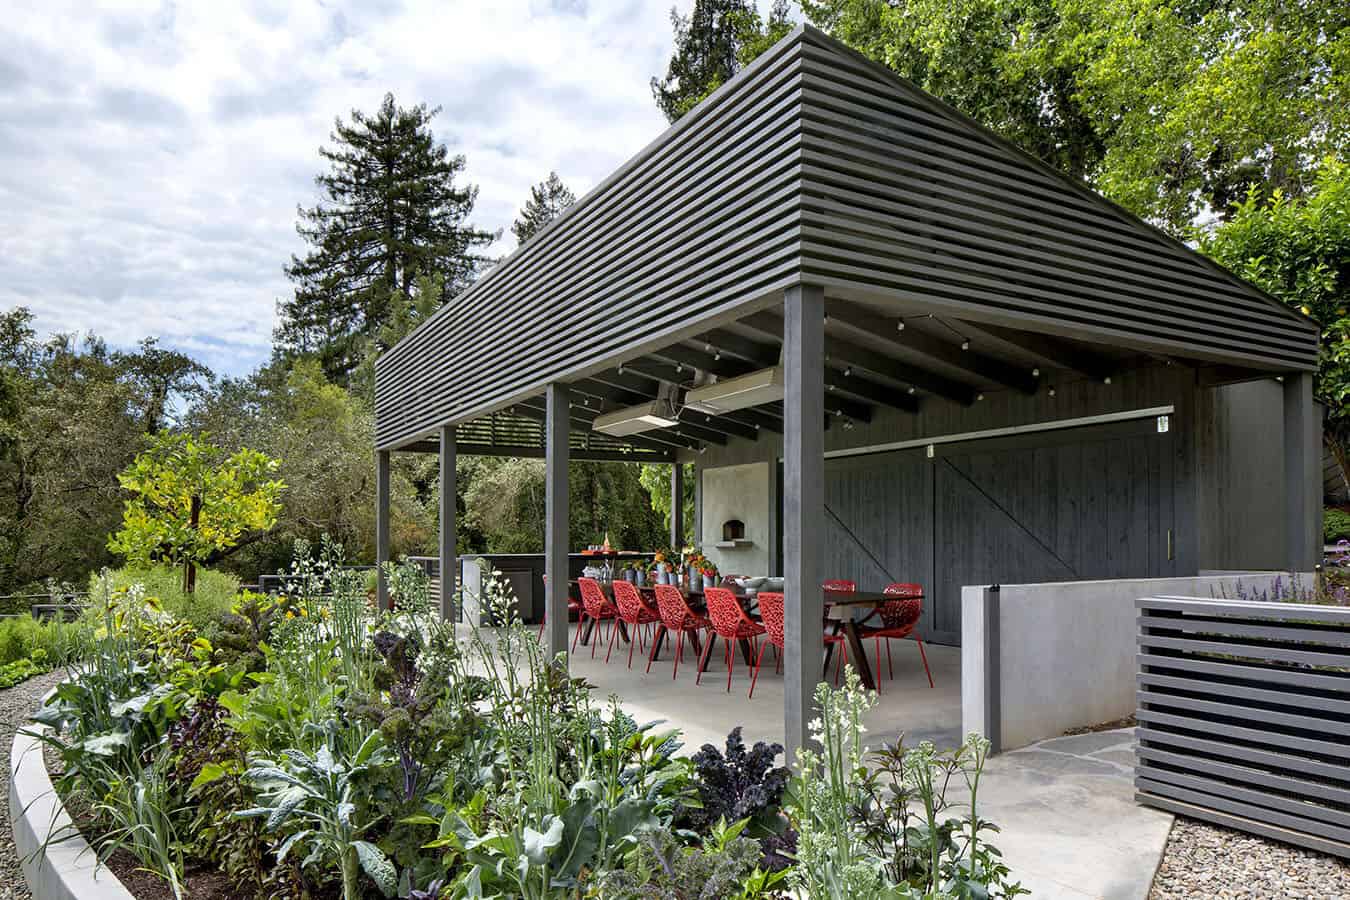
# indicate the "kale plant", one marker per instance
pixel 741 784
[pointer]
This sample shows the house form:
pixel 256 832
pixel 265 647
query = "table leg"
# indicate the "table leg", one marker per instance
pixel 747 652
pixel 705 654
pixel 835 624
pixel 586 631
pixel 858 655
pixel 623 630
pixel 658 641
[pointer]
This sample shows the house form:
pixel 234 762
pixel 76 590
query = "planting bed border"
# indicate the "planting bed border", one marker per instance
pixel 68 869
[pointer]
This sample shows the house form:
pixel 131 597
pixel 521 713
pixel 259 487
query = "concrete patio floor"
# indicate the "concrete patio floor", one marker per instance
pixel 1070 828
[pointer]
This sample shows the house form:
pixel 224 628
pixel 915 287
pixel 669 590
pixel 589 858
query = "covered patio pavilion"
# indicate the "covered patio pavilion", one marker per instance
pixel 973 369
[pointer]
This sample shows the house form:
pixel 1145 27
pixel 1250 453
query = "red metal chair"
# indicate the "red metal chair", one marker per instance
pixel 839 586
pixel 573 606
pixel 771 614
pixel 731 623
pixel 677 619
pixel 899 618
pixel 597 605
pixel 633 610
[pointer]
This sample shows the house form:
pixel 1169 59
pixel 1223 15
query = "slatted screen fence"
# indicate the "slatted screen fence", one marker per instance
pixel 1244 716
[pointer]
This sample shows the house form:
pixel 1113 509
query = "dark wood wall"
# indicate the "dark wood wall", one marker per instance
pixel 1102 501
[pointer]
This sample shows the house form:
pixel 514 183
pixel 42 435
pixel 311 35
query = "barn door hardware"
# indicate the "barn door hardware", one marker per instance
pixel 1171 546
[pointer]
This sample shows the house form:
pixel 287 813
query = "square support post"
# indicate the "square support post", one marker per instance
pixel 1302 474
pixel 556 453
pixel 803 505
pixel 676 505
pixel 449 561
pixel 381 527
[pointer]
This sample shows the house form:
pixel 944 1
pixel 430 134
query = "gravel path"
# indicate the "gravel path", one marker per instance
pixel 16 704
pixel 1208 861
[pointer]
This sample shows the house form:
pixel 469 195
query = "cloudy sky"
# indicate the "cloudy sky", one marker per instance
pixel 152 155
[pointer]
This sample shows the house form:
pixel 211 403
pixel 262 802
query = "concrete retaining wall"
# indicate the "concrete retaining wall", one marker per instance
pixel 1039 659
pixel 67 869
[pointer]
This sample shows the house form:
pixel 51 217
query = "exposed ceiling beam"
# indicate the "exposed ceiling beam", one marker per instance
pixel 863 320
pixel 1050 350
pixel 522 452
pixel 725 367
pixel 842 354
pixel 761 354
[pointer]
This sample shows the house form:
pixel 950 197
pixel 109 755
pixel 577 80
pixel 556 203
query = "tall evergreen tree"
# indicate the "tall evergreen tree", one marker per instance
pixel 391 211
pixel 547 200
pixel 712 43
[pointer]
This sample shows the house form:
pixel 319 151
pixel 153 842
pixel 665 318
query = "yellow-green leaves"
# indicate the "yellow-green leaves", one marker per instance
pixel 233 494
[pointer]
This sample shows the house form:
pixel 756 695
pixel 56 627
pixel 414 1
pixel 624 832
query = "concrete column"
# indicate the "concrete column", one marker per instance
pixel 449 560
pixel 1302 474
pixel 556 540
pixel 803 505
pixel 676 505
pixel 381 527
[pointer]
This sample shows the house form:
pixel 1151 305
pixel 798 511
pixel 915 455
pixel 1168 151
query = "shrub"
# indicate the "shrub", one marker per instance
pixel 47 644
pixel 1335 525
pixel 202 609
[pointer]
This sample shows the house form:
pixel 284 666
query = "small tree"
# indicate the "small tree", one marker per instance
pixel 194 502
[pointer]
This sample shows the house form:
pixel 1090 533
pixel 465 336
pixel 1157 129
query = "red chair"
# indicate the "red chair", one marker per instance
pixel 677 619
pixel 839 586
pixel 597 605
pixel 633 610
pixel 771 614
pixel 899 618
pixel 573 606
pixel 731 623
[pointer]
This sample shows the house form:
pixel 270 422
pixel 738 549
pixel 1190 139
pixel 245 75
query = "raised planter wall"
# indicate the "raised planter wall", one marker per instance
pixel 1244 717
pixel 1040 659
pixel 67 869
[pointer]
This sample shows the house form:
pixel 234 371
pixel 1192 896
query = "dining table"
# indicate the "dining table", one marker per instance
pixel 845 612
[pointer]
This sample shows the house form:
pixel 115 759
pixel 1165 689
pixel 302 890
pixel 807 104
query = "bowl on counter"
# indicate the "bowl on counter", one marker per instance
pixel 748 583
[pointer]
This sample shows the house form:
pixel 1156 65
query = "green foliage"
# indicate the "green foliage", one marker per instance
pixel 656 479
pixel 47 644
pixel 712 43
pixel 1335 525
pixel 202 609
pixel 389 200
pixel 504 504
pixel 1296 249
pixel 18 672
pixel 72 415
pixel 547 200
pixel 885 831
pixel 321 434
pixel 327 747
pixel 193 503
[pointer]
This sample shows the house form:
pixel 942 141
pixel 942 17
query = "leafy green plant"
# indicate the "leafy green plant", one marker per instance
pixel 724 866
pixel 312 800
pixel 1335 525
pixel 886 831
pixel 213 598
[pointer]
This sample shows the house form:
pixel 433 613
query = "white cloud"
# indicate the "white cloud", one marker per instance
pixel 152 156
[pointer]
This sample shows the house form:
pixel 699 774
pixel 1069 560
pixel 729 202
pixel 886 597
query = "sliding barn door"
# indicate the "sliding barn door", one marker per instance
pixel 1067 505
pixel 1071 505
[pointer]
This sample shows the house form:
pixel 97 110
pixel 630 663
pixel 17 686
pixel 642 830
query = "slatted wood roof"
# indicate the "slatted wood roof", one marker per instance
pixel 816 165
